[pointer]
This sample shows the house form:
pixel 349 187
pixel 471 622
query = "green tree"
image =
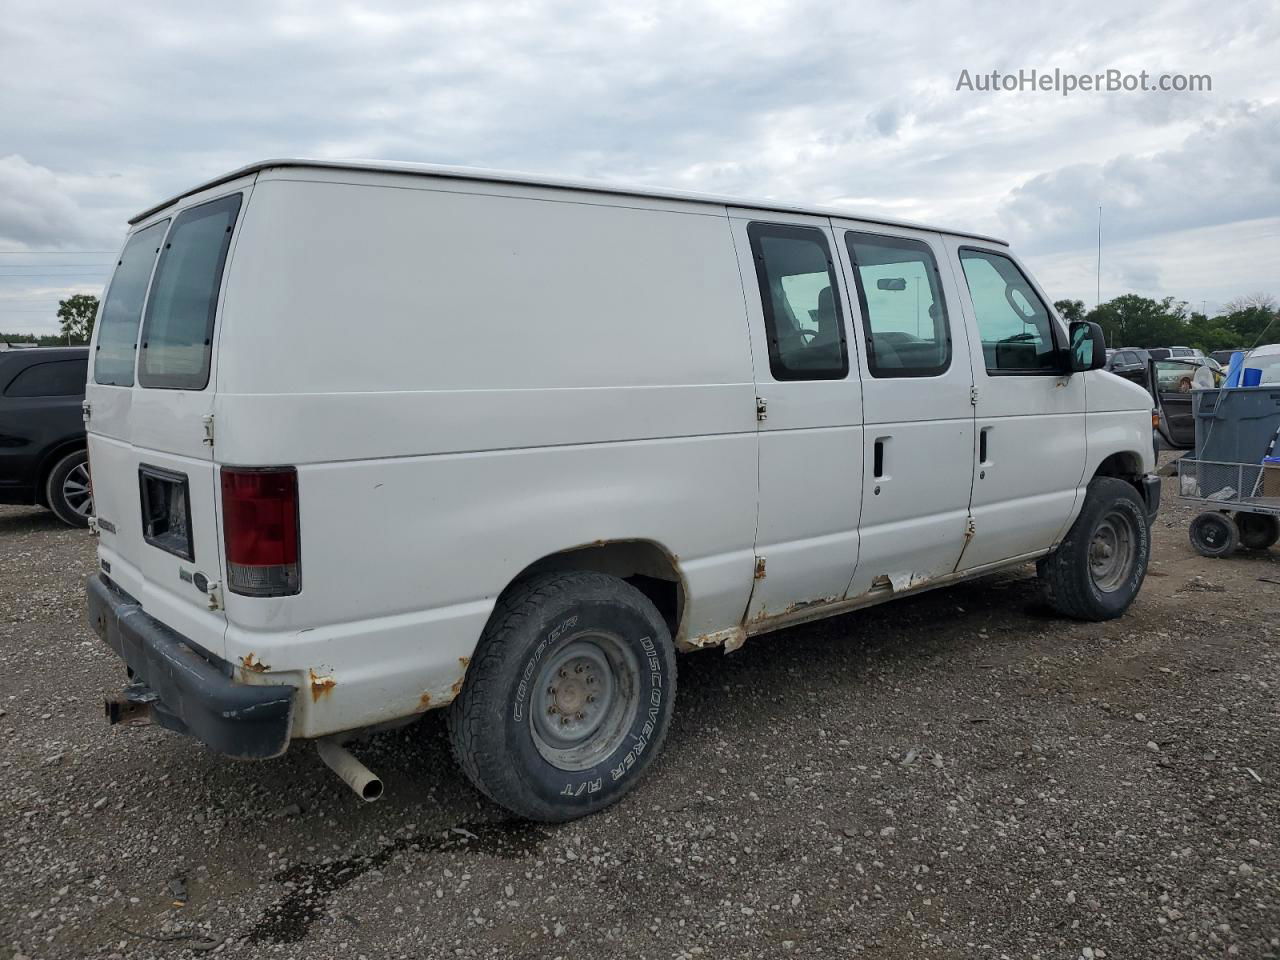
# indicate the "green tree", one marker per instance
pixel 76 315
pixel 1254 319
pixel 1134 321
pixel 1070 310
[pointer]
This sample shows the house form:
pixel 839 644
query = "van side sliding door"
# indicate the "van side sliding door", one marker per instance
pixel 810 413
pixel 918 419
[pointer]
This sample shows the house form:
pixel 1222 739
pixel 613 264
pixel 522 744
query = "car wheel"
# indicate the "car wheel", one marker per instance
pixel 1257 530
pixel 568 697
pixel 1098 569
pixel 1214 534
pixel 68 491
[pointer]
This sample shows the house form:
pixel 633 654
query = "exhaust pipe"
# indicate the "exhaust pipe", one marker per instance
pixel 353 773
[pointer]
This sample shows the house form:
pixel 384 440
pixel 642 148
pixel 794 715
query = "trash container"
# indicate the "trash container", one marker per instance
pixel 1235 426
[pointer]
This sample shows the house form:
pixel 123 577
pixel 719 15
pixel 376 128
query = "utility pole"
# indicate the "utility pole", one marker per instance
pixel 1097 300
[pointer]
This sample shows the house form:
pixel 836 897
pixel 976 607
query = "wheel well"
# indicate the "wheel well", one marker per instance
pixel 642 563
pixel 1123 466
pixel 50 460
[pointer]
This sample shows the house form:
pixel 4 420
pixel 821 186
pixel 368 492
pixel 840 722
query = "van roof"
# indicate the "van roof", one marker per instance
pixel 504 176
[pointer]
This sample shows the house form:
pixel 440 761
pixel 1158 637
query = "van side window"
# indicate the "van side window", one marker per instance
pixel 177 331
pixel 904 315
pixel 122 308
pixel 802 317
pixel 1017 333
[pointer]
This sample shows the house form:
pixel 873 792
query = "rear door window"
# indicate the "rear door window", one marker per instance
pixel 903 313
pixel 122 308
pixel 56 378
pixel 177 332
pixel 800 300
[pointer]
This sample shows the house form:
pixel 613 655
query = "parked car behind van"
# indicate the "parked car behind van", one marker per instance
pixel 585 427
pixel 42 440
pixel 1127 360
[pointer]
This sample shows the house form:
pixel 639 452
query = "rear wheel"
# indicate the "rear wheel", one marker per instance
pixel 1214 534
pixel 1097 570
pixel 568 697
pixel 1257 530
pixel 67 490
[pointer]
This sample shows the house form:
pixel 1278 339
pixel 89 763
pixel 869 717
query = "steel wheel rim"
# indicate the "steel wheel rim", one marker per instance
pixel 76 491
pixel 1111 552
pixel 1213 532
pixel 584 701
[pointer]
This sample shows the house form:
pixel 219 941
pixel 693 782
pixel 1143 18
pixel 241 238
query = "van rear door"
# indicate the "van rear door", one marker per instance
pixel 151 418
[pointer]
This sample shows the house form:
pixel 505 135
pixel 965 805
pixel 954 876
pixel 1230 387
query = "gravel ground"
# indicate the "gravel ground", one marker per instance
pixel 958 775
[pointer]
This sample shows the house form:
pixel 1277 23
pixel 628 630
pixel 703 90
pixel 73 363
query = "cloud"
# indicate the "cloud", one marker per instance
pixel 1227 170
pixel 36 207
pixel 108 108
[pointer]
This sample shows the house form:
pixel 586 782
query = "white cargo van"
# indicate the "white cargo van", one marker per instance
pixel 372 439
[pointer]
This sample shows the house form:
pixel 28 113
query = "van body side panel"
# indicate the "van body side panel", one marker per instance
pixel 467 383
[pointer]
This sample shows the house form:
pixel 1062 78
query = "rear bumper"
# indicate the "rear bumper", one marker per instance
pixel 1151 494
pixel 184 688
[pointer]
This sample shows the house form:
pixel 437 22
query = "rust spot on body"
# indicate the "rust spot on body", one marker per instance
pixel 424 701
pixel 320 685
pixel 465 661
pixel 250 662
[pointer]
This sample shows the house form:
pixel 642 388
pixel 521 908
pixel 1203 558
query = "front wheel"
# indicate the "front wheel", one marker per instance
pixel 1098 569
pixel 568 697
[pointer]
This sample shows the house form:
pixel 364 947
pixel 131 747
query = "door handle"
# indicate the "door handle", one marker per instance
pixel 982 445
pixel 877 466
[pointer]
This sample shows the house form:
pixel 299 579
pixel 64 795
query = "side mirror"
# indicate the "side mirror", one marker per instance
pixel 1088 347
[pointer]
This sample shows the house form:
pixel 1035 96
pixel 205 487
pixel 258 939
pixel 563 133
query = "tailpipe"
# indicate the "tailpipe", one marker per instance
pixel 354 774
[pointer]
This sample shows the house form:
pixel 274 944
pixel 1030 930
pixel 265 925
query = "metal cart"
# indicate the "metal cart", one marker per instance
pixel 1243 501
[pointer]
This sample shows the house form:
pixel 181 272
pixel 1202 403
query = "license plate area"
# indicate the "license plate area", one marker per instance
pixel 166 511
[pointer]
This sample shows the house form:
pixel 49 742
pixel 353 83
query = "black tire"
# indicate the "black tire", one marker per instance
pixel 502 725
pixel 66 489
pixel 1098 569
pixel 1257 530
pixel 1214 534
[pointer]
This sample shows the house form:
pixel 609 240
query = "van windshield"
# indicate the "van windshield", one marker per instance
pixel 177 331
pixel 122 308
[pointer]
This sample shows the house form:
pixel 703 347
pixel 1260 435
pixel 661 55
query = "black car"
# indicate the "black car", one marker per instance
pixel 43 459
pixel 1127 360
pixel 1224 356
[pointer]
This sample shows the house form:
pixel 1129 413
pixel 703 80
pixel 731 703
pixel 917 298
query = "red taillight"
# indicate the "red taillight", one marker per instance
pixel 260 525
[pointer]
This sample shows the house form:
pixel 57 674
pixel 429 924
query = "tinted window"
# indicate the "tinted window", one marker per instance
pixel 1017 334
pixel 903 313
pixel 56 378
pixel 798 291
pixel 178 328
pixel 122 308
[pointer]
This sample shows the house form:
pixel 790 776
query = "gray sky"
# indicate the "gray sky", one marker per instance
pixel 106 108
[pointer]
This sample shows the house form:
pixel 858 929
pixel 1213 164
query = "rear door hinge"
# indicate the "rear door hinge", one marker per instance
pixel 970 529
pixel 762 409
pixel 759 568
pixel 214 593
pixel 86 409
pixel 208 429
pixel 973 396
